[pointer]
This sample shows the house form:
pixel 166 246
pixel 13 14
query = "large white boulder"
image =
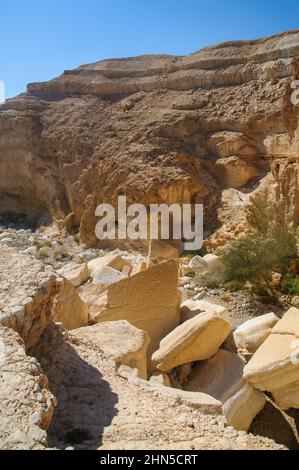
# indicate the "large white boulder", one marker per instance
pixel 249 336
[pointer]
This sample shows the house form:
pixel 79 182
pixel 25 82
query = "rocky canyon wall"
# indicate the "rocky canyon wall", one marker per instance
pixel 216 127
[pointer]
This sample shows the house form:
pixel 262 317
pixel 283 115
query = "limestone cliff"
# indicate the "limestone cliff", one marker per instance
pixel 214 127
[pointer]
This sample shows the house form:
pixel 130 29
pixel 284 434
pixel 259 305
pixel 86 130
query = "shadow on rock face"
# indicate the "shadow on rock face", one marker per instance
pixel 85 402
pixel 280 426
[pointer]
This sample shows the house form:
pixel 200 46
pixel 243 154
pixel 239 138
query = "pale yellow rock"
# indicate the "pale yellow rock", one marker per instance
pixel 243 407
pixel 275 365
pixel 141 266
pixel 122 341
pixel 149 300
pixel 161 251
pixel 196 339
pixel 126 270
pixel 220 376
pixel 76 274
pixel 190 308
pixel 250 335
pixel 235 172
pixel 289 323
pixel 201 401
pixel 112 260
pixel 68 308
pixel 90 292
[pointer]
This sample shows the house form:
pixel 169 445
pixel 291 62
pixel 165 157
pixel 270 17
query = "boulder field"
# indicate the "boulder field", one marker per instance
pixel 139 324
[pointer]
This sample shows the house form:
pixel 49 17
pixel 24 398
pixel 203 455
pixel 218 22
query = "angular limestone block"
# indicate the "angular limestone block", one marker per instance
pixel 76 274
pixel 122 341
pixel 149 300
pixel 112 260
pixel 190 308
pixel 221 376
pixel 243 407
pixel 250 335
pixel 275 365
pixel 68 308
pixel 196 339
pixel 107 275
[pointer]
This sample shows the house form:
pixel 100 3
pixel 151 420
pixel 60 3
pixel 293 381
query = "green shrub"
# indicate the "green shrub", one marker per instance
pixel 234 285
pixel 268 247
pixel 291 285
pixel 39 245
pixel 208 281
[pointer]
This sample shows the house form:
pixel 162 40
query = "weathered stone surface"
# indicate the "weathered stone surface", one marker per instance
pixel 68 308
pixel 177 108
pixel 201 401
pixel 275 365
pixel 122 341
pixel 76 274
pixel 149 300
pixel 198 264
pixel 240 409
pixel 90 292
pixel 27 289
pixel 107 275
pixel 112 260
pixel 196 339
pixel 250 335
pixel 26 405
pixel 190 308
pixel 222 378
pixel 235 172
pixel 160 251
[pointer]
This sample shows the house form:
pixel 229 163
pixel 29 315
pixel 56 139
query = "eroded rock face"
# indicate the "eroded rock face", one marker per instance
pixel 26 405
pixel 27 290
pixel 160 129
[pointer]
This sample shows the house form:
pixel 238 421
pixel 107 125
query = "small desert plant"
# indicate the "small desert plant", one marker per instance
pixel 291 284
pixel 40 245
pixel 206 280
pixel 234 285
pixel 269 247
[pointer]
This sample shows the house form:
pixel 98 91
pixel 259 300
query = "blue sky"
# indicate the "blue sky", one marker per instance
pixel 40 39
